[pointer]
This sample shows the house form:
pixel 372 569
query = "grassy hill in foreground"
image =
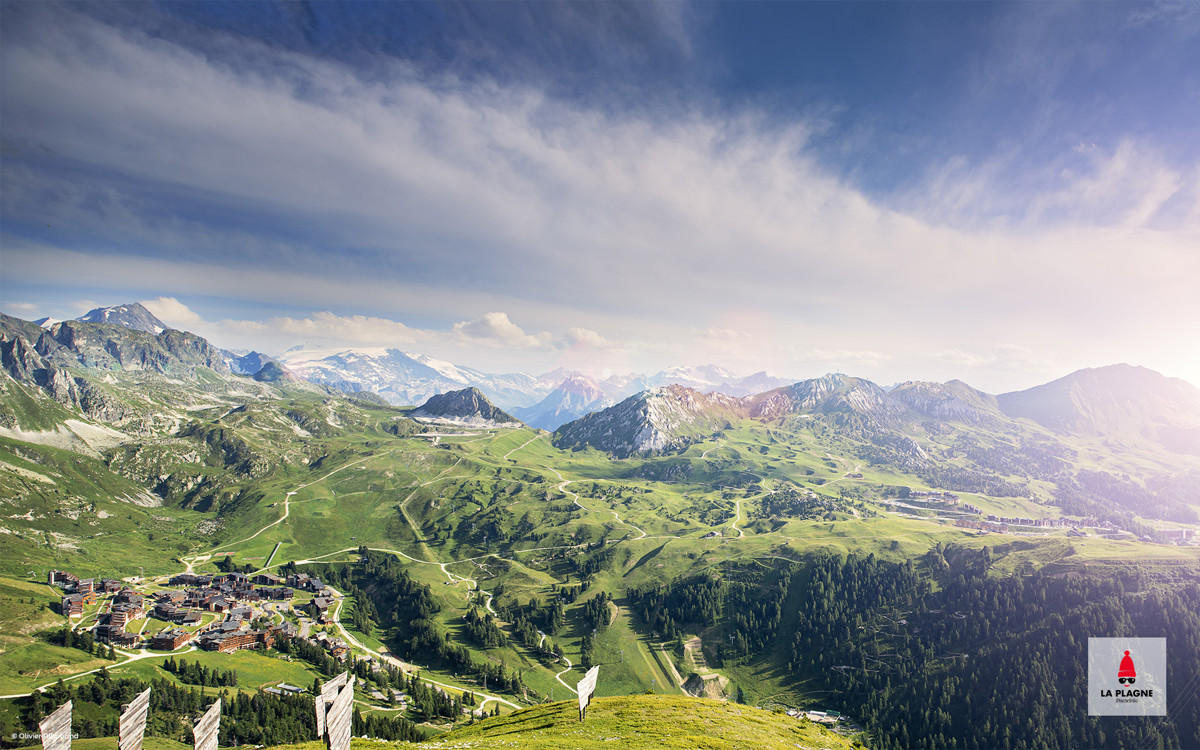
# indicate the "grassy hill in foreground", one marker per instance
pixel 636 722
pixel 643 721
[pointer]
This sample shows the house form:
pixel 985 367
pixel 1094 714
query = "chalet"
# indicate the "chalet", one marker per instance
pixel 72 605
pixel 191 618
pixel 116 636
pixel 219 604
pixel 233 641
pixel 168 612
pixel 967 523
pixel 170 597
pixel 237 614
pixel 200 598
pixel 338 650
pixel 268 579
pixel 191 579
pixel 285 630
pixel 171 639
pixel 109 585
pixel 122 614
pixel 129 596
pixel 318 607
pixel 278 594
pixel 86 586
pixel 62 579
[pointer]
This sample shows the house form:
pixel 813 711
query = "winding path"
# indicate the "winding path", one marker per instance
pixel 286 500
pixel 562 487
pixel 191 560
pixel 484 698
pixel 560 674
pixel 522 445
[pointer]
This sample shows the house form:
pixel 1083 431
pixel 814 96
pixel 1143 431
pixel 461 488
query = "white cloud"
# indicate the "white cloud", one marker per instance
pixel 585 338
pixel 22 309
pixel 637 232
pixel 1127 187
pixel 495 329
pixel 174 313
pixel 327 327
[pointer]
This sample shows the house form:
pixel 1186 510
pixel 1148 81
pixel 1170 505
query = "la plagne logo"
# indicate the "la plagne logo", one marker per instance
pixel 1127 676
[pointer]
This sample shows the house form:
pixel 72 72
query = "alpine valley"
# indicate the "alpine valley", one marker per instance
pixel 874 560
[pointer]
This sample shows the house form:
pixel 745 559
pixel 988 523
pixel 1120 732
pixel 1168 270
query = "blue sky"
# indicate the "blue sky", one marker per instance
pixel 996 192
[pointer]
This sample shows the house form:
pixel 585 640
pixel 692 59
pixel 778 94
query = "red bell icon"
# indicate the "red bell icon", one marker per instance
pixel 1126 675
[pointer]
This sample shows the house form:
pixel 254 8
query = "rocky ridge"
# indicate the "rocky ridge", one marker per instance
pixel 467 407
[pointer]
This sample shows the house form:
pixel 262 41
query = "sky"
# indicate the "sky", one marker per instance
pixel 1000 193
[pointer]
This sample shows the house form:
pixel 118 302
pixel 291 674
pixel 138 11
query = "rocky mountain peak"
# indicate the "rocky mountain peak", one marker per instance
pixel 582 386
pixel 656 420
pixel 467 406
pixel 954 400
pixel 133 316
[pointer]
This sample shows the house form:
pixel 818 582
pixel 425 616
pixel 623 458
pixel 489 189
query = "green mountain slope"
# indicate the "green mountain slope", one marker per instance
pixel 688 564
pixel 644 722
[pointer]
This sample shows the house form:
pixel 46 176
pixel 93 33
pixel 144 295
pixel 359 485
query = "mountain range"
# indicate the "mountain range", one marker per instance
pixel 630 414
pixel 732 525
pixel 1118 400
pixel 547 400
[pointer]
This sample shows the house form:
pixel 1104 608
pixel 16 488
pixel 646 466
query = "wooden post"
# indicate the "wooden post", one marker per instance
pixel 586 688
pixel 208 729
pixel 56 729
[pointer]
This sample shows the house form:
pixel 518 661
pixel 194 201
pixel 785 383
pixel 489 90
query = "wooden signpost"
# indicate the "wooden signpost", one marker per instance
pixel 586 688
pixel 133 722
pixel 208 728
pixel 335 711
pixel 56 729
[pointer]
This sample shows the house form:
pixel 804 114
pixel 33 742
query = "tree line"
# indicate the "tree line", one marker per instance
pixel 941 651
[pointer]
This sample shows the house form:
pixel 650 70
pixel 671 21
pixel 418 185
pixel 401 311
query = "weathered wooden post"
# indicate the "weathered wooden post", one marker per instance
pixel 208 728
pixel 133 722
pixel 335 711
pixel 56 729
pixel 586 688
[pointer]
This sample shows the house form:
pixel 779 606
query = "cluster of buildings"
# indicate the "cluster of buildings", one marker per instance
pixel 233 635
pixel 1074 526
pixel 80 591
pixel 942 500
pixel 335 647
pixel 948 497
pixel 1002 524
pixel 1178 535
pixel 827 718
pixel 230 595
